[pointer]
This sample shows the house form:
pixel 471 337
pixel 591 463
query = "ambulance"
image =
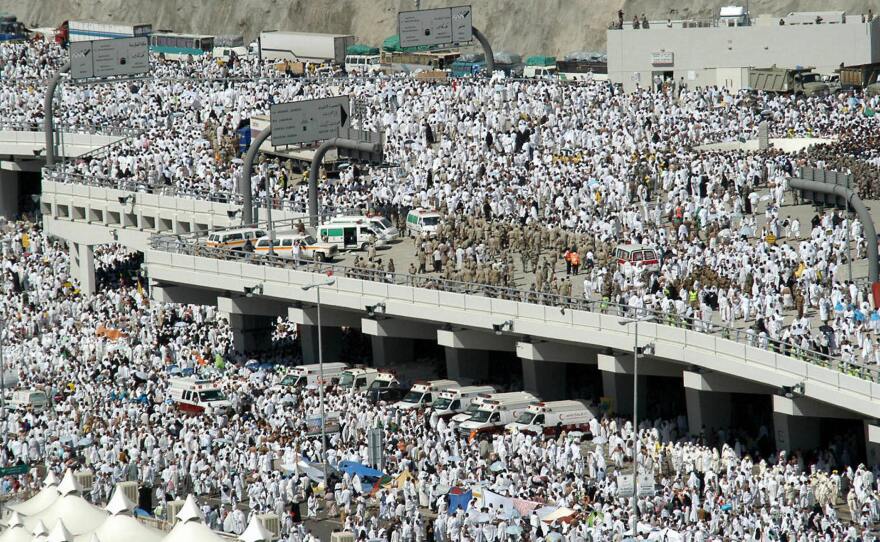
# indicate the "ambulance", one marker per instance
pixel 234 239
pixel 308 375
pixel 422 223
pixel 385 379
pixel 422 394
pixel 497 411
pixel 548 417
pixel 365 378
pixel 310 249
pixel 194 395
pixel 381 225
pixel 456 400
pixel 640 256
pixel 354 235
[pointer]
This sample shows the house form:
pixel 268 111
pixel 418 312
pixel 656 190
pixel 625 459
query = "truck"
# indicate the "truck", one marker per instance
pixel 93 30
pixel 28 400
pixel 362 60
pixel 468 65
pixel 11 29
pixel 305 46
pixel 225 46
pixel 496 412
pixel 456 400
pixel 540 66
pixel 859 76
pixel 548 417
pixel 784 80
pixel 422 394
pixel 583 66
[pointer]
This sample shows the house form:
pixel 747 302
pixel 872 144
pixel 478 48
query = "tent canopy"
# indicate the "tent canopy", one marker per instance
pixel 352 468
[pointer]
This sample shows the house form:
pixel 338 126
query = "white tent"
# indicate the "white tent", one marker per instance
pixel 59 533
pixel 40 532
pixel 190 526
pixel 255 532
pixel 41 500
pixel 121 526
pixel 16 531
pixel 78 515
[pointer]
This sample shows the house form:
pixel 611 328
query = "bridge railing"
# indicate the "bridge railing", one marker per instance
pixel 193 245
pixel 13 126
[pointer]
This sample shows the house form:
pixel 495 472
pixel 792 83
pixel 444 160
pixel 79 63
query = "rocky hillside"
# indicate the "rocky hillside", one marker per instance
pixel 524 26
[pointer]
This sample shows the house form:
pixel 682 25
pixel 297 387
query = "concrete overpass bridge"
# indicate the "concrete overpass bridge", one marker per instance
pixel 545 333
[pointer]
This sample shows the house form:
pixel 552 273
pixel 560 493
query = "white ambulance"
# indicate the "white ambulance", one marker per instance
pixel 548 417
pixel 497 411
pixel 309 375
pixel 194 395
pixel 364 378
pixel 422 394
pixel 422 223
pixel 457 400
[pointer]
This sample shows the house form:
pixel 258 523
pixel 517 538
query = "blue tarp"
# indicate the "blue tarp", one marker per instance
pixel 352 468
pixel 459 500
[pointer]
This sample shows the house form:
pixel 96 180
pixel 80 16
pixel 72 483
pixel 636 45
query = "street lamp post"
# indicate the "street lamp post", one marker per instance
pixel 318 285
pixel 635 501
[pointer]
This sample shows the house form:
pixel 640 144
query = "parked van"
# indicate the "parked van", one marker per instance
pixel 362 64
pixel 360 378
pixel 234 239
pixel 456 400
pixel 33 400
pixel 384 379
pixel 308 375
pixel 546 418
pixel 381 225
pixel 641 256
pixel 354 235
pixel 496 412
pixel 194 395
pixel 422 394
pixel 310 248
pixel 422 222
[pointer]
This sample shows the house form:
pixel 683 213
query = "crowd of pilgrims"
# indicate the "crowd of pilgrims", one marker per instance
pixel 106 361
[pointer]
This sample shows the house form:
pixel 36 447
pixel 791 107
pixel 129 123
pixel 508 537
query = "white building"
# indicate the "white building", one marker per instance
pixel 721 51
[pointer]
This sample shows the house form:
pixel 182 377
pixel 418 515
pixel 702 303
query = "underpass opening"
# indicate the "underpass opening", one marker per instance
pixel 665 398
pixel 583 382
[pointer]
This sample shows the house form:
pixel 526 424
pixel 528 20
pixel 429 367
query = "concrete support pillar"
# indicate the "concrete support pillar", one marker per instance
pixel 795 432
pixel 545 379
pixel 250 332
pixel 707 410
pixel 466 364
pixel 618 387
pixel 8 194
pixel 82 266
pixel 389 351
pixel 331 342
pixel 872 442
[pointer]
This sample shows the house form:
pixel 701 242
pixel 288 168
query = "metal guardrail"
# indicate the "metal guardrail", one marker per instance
pixel 117 131
pixel 189 244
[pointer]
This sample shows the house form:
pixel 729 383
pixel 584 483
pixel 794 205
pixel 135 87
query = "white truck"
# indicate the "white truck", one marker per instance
pixel 196 395
pixel 456 400
pixel 93 30
pixel 304 46
pixel 309 375
pixel 496 412
pixel 422 394
pixel 32 400
pixel 366 378
pixel 551 416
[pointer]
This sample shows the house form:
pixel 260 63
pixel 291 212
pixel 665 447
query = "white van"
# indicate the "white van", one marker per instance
pixel 309 375
pixel 381 225
pixel 457 400
pixel 641 256
pixel 194 395
pixel 422 394
pixel 384 379
pixel 310 248
pixel 422 222
pixel 234 239
pixel 33 400
pixel 496 412
pixel 546 418
pixel 353 235
pixel 225 53
pixel 362 64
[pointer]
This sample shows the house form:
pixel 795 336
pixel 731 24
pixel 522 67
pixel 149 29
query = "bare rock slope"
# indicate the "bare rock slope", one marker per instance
pixel 524 26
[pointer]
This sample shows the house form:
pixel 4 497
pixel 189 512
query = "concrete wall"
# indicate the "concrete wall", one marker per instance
pixel 697 51
pixel 25 143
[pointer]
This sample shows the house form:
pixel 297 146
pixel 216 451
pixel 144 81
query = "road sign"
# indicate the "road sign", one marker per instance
pixel 308 120
pixel 430 27
pixel 15 471
pixel 107 58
